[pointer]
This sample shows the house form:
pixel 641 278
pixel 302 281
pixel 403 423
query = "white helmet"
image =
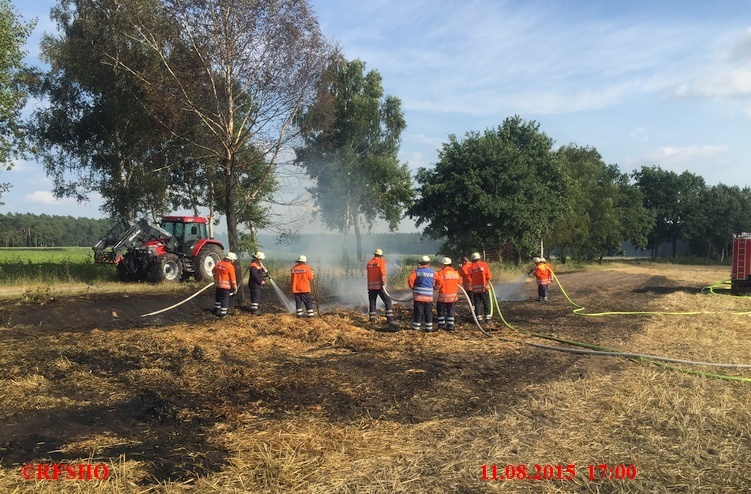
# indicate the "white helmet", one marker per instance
pixel 302 259
pixel 446 260
pixel 259 255
pixel 425 259
pixel 475 256
pixel 536 260
pixel 378 252
pixel 231 256
pixel 542 259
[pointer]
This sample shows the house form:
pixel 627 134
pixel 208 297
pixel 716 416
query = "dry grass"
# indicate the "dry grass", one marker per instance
pixel 36 290
pixel 266 404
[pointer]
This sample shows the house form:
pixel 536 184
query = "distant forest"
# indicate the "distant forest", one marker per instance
pixel 31 230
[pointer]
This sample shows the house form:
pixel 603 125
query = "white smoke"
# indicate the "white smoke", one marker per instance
pixel 513 290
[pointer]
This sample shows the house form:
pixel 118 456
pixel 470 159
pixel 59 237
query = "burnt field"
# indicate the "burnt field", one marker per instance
pixel 185 402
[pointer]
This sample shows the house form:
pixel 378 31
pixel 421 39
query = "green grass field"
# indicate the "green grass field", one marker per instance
pixel 52 265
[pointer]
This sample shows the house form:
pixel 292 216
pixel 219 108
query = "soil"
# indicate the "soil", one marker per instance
pixel 410 383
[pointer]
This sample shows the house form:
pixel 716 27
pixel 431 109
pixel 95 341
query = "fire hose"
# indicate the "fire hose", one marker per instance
pixel 591 349
pixel 604 351
pixel 579 309
pixel 402 301
pixel 179 303
pixel 466 295
pixel 594 349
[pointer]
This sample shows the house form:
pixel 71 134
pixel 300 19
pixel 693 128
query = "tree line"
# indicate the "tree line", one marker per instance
pixel 163 105
pixel 31 230
pixel 508 189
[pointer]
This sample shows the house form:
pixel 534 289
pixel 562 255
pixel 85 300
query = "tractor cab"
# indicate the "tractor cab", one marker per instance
pixel 186 231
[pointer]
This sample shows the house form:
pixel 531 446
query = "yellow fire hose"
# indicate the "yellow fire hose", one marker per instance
pixel 579 309
pixel 604 351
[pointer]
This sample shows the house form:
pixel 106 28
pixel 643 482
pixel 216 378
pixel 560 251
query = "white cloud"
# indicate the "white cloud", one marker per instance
pixel 640 134
pixel 726 73
pixel 670 155
pixel 482 58
pixel 417 160
pixel 41 197
pixel 723 82
pixel 22 166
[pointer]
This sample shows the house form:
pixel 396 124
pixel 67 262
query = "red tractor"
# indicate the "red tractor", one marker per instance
pixel 176 249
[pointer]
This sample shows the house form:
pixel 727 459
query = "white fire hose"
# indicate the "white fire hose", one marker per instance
pixel 179 303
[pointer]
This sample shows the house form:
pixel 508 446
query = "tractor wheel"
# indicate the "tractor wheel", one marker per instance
pixel 167 268
pixel 209 256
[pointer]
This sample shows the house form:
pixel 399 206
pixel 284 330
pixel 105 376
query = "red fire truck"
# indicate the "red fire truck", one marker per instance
pixel 740 278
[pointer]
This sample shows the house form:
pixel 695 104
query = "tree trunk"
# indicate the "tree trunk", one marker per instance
pixel 358 238
pixel 345 252
pixel 229 207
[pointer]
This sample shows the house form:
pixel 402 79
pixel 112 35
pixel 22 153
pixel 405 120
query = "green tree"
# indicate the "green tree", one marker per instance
pixel 13 83
pixel 241 70
pixel 724 211
pixel 95 135
pixel 179 102
pixel 673 199
pixel 605 208
pixel 500 188
pixel 351 141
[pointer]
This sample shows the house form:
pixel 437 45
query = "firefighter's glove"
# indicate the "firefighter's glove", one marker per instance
pixel 232 293
pixel 266 273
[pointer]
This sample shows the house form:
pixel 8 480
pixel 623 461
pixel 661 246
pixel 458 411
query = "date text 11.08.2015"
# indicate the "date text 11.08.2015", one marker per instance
pixel 601 471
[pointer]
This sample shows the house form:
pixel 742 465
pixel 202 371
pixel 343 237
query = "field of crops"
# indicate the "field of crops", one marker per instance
pixel 51 265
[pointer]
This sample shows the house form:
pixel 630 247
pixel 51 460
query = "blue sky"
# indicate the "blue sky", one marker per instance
pixel 643 82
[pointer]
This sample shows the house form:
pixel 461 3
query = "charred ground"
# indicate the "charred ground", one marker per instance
pixel 95 379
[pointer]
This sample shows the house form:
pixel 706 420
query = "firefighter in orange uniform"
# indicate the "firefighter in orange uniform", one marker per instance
pixel 300 280
pixel 544 276
pixel 449 284
pixel 376 269
pixel 464 271
pixel 257 280
pixel 225 282
pixel 480 276
pixel 423 281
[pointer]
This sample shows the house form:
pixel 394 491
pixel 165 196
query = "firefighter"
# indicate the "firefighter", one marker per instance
pixel 257 280
pixel 300 280
pixel 449 284
pixel 423 281
pixel 544 276
pixel 464 271
pixel 225 282
pixel 376 269
pixel 480 276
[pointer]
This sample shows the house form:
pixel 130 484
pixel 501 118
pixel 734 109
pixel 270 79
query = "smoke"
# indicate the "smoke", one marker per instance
pixel 513 290
pixel 339 283
pixel 348 288
pixel 351 293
